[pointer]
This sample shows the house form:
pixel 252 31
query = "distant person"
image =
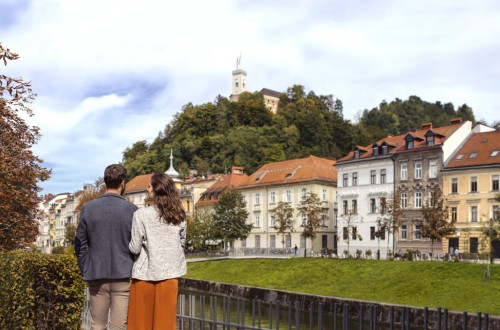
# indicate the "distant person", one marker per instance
pixel 101 246
pixel 295 250
pixel 457 253
pixel 158 238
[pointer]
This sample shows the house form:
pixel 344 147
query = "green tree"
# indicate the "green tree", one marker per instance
pixel 310 208
pixel 70 234
pixel 436 224
pixel 230 217
pixel 491 234
pixel 20 169
pixel 284 221
pixel 200 229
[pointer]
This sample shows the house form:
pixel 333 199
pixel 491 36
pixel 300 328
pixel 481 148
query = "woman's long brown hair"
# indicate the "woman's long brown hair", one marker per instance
pixel 167 200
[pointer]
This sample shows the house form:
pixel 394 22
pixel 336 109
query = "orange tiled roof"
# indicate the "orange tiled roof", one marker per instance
pixel 484 144
pixel 399 143
pixel 225 181
pixel 139 183
pixel 294 170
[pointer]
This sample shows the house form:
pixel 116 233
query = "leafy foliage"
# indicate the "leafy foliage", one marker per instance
pixel 311 208
pixel 284 220
pixel 435 224
pixel 20 169
pixel 350 219
pixel 230 217
pixel 40 291
pixel 200 228
pixel 90 192
pixel 391 214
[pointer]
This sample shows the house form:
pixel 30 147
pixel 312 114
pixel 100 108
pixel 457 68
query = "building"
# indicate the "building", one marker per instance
pixel 471 184
pixel 289 181
pixel 271 99
pixel 192 189
pixel 417 171
pixel 366 183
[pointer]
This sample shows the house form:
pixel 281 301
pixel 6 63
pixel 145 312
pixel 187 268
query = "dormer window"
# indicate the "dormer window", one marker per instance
pixel 409 144
pixel 356 154
pixel 384 150
pixel 430 140
pixel 375 151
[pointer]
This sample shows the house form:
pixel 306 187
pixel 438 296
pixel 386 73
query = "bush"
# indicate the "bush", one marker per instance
pixel 358 254
pixel 40 291
pixel 58 250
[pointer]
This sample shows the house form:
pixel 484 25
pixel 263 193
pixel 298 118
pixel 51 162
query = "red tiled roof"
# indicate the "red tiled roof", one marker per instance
pixel 482 143
pixel 225 181
pixel 399 143
pixel 294 170
pixel 139 183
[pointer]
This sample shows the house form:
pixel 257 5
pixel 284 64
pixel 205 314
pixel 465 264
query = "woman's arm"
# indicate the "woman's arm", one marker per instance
pixel 137 235
pixel 183 234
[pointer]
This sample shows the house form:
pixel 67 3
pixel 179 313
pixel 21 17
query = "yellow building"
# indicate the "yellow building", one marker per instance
pixel 192 188
pixel 471 185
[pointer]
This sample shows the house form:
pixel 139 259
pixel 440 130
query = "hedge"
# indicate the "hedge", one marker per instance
pixel 39 291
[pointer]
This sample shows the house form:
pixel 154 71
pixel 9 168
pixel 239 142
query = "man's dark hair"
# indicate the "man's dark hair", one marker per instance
pixel 114 176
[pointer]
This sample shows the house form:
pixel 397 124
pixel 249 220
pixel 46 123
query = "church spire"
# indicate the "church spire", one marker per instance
pixel 171 172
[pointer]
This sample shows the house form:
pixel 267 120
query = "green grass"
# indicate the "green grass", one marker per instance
pixel 456 286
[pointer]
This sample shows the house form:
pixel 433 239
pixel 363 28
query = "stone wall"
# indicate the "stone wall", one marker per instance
pixel 416 314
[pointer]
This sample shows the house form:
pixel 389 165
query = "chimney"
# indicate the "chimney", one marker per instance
pixel 237 170
pixel 427 126
pixel 456 121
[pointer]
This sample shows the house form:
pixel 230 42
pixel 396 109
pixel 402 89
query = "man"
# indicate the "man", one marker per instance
pixel 101 246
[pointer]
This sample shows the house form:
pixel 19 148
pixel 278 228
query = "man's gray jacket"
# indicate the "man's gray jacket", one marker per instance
pixel 102 238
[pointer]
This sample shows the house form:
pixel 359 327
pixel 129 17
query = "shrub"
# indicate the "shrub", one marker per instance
pixel 58 250
pixel 358 254
pixel 40 291
pixel 368 253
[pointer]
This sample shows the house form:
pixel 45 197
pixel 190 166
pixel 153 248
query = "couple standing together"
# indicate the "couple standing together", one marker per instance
pixel 131 258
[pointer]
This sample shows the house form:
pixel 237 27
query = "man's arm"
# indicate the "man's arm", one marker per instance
pixel 81 241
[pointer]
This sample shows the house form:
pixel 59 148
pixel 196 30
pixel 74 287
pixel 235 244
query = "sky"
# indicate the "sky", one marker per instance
pixel 111 73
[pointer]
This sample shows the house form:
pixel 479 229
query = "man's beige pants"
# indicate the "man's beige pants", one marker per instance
pixel 109 297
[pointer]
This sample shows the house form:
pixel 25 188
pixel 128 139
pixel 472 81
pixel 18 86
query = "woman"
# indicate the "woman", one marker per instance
pixel 158 236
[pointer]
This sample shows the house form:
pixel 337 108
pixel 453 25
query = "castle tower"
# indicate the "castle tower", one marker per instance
pixel 239 81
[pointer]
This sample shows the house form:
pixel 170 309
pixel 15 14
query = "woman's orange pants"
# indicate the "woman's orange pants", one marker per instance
pixel 152 305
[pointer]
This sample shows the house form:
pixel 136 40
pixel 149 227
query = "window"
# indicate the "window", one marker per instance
pixel 372 233
pixel 404 171
pixel 243 243
pixel 474 244
pixel 257 241
pixel 459 157
pixel 404 200
pixel 418 235
pixel 345 233
pixel 355 178
pixel 304 219
pixel 324 241
pixel 409 144
pixel 325 195
pixel 473 184
pixel 494 212
pixel 257 199
pixel 325 220
pixel 345 207
pixel 273 221
pixel 302 241
pixel 382 233
pixel 418 170
pixel 372 205
pixel 473 213
pixel 356 154
pixel 354 233
pixel 418 200
pixel 244 199
pixel 354 206
pixel 432 200
pixel 257 221
pixel 273 197
pixel 382 176
pixel 403 231
pixel 494 183
pixel 375 151
pixel 288 196
pixel 473 155
pixel 373 177
pixel 454 185
pixel 288 241
pixel 384 150
pixel 383 204
pixel 432 169
pixel 273 241
pixel 430 140
pixel 304 192
pixel 345 180
pixel 494 153
pixel 453 214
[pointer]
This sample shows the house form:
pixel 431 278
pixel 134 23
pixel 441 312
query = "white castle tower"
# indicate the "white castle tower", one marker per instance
pixel 239 81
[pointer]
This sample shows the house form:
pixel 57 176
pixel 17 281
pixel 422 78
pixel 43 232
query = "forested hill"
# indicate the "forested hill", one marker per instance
pixel 218 135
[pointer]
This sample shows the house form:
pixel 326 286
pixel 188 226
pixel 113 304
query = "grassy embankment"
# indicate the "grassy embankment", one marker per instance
pixel 456 286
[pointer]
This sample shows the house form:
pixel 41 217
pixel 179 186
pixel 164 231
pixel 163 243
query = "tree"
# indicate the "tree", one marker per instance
pixel 230 216
pixel 391 213
pixel 20 169
pixel 311 210
pixel 491 233
pixel 70 234
pixel 435 224
pixel 350 219
pixel 283 220
pixel 200 229
pixel 90 191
